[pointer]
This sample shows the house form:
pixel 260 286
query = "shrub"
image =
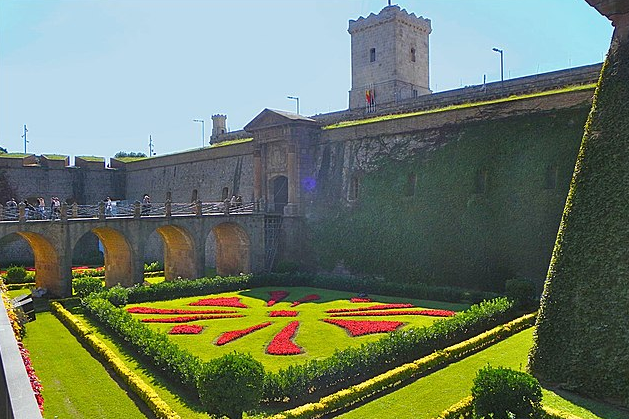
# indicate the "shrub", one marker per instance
pixel 230 384
pixel 84 286
pixel 522 292
pixel 502 393
pixel 118 296
pixel 16 275
pixel 153 267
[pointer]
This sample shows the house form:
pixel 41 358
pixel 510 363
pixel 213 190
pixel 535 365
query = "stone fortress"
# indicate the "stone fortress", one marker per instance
pixel 316 170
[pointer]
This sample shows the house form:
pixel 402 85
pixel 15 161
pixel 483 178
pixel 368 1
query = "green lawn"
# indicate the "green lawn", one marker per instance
pixel 75 385
pixel 430 395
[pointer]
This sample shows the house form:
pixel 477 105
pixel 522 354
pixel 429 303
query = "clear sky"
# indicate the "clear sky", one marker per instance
pixel 94 77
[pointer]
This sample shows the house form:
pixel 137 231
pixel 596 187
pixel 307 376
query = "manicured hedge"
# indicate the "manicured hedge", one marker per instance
pixel 296 383
pixel 582 335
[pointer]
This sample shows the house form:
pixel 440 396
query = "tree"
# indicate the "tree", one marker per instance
pixel 3 150
pixel 129 154
pixel 231 384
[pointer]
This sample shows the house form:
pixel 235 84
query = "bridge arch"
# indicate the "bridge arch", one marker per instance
pixel 233 254
pixel 50 272
pixel 119 260
pixel 180 256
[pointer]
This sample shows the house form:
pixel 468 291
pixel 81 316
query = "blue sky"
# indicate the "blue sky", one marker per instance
pixel 94 77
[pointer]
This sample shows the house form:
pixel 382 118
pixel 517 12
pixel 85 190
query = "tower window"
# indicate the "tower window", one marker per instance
pixel 414 93
pixel 195 195
pixel 413 57
pixel 225 193
pixel 372 55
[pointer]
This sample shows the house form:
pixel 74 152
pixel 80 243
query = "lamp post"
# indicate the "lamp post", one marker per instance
pixel 502 71
pixel 202 130
pixel 296 99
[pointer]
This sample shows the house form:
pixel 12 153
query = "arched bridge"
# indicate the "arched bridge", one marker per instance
pixel 246 239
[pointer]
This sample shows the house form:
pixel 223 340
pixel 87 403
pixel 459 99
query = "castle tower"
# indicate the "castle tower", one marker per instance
pixel 219 126
pixel 389 58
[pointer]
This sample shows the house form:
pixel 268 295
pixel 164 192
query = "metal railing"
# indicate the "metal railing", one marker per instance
pixel 120 209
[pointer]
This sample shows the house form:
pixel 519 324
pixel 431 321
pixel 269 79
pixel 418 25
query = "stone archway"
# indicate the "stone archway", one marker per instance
pixel 232 249
pixel 118 257
pixel 180 258
pixel 49 273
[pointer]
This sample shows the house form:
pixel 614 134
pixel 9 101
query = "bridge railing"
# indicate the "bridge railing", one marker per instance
pixel 104 210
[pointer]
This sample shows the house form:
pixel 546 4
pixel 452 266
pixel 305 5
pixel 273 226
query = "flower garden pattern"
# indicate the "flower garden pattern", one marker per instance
pixel 186 329
pixel 235 334
pixel 283 343
pixel 365 327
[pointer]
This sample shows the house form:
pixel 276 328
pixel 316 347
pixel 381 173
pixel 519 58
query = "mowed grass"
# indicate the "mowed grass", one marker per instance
pixel 429 396
pixel 75 385
pixel 318 339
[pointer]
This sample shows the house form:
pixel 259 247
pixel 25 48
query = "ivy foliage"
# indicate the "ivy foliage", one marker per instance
pixel 482 208
pixel 582 334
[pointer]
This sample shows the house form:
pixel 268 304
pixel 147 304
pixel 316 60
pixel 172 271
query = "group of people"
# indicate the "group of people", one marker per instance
pixel 32 212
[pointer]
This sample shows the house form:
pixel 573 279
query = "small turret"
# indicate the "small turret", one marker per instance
pixel 219 126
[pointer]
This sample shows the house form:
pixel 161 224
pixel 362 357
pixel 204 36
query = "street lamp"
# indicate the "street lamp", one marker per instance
pixel 502 71
pixel 202 130
pixel 296 99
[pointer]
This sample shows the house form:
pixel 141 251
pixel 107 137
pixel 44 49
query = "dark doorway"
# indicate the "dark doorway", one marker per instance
pixel 280 193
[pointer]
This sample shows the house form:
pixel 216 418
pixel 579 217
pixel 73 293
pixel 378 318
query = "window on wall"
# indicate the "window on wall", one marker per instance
pixel 195 195
pixel 413 57
pixel 552 173
pixel 169 196
pixel 481 181
pixel 225 193
pixel 414 93
pixel 411 183
pixel 354 188
pixel 372 55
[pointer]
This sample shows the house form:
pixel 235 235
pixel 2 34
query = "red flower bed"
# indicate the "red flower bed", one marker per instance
pixel 365 327
pixel 150 310
pixel 235 334
pixel 185 319
pixel 186 329
pixel 376 307
pixel 220 301
pixel 359 300
pixel 283 313
pixel 276 297
pixel 282 343
pixel 306 299
pixel 436 313
pixel 35 384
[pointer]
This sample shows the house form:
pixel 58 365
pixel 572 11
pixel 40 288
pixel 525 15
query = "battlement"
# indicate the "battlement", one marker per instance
pixel 389 14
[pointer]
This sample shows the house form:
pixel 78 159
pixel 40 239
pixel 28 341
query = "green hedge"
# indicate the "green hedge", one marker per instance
pixel 296 383
pixel 481 206
pixel 582 335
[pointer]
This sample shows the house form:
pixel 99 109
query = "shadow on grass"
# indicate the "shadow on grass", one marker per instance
pixel 598 408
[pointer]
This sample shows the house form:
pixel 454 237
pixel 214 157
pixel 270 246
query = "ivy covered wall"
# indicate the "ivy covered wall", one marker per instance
pixel 477 206
pixel 582 336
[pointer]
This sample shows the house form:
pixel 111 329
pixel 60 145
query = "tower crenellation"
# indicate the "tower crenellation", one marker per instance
pixel 219 126
pixel 389 58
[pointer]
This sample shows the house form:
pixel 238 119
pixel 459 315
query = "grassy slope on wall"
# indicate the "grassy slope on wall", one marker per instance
pixel 443 231
pixel 583 329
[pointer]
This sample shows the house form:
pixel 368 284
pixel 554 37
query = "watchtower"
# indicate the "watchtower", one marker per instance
pixel 389 58
pixel 219 126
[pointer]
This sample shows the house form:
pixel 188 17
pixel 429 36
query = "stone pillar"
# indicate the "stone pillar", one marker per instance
pixel 257 174
pixel 168 208
pixel 1 212
pixel 75 210
pixel 64 211
pixel 21 212
pixel 292 208
pixel 198 208
pixel 136 209
pixel 101 210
